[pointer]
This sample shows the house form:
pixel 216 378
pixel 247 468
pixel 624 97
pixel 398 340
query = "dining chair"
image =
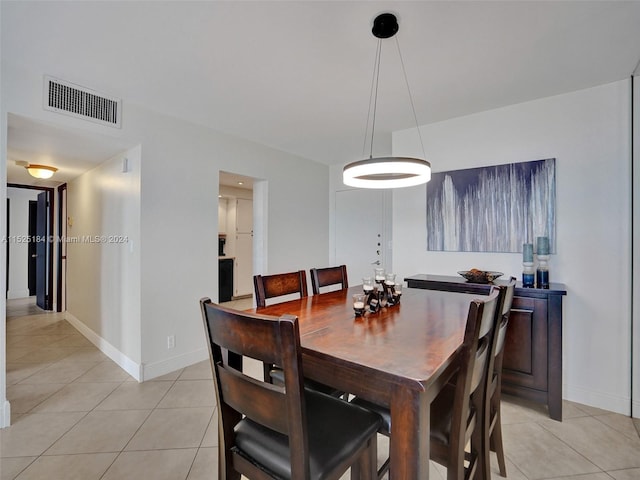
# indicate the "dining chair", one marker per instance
pixel 269 431
pixel 279 284
pixel 492 415
pixel 324 277
pixel 457 411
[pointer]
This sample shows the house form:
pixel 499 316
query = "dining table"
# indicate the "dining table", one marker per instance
pixel 399 357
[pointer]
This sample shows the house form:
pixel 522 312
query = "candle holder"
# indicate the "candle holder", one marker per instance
pixel 359 304
pixel 389 288
pixel 542 273
pixel 528 270
pixel 397 293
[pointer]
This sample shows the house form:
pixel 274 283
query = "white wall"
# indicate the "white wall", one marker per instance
pixel 18 246
pixel 179 226
pixel 179 217
pixel 588 132
pixel 103 258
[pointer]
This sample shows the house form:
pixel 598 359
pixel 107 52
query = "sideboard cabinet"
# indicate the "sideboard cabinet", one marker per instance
pixel 532 366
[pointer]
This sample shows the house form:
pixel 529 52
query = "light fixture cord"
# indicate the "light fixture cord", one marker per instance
pixel 374 88
pixel 375 97
pixel 413 108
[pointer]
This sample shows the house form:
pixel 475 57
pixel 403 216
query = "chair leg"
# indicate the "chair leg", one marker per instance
pixel 365 468
pixel 496 443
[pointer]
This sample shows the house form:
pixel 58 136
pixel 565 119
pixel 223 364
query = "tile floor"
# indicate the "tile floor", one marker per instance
pixel 77 415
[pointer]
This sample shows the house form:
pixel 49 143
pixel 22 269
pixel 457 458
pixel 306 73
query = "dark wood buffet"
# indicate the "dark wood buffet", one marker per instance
pixel 532 367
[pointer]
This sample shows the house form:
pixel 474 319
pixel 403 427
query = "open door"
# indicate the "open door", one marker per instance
pixel 41 251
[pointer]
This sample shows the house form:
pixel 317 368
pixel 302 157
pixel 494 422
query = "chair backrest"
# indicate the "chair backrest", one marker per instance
pixel 269 286
pixel 233 335
pixel 323 277
pixel 469 395
pixel 503 321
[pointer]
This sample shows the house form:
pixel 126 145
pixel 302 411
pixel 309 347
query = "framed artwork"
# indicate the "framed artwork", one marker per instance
pixel 492 209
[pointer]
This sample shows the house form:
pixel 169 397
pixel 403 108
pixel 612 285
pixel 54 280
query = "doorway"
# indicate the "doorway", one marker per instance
pixel 236 234
pixel 30 245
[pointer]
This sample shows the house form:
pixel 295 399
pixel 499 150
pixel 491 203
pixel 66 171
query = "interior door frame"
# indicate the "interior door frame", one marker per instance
pixel 61 293
pixel 51 199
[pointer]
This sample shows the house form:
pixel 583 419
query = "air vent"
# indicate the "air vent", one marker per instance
pixel 81 102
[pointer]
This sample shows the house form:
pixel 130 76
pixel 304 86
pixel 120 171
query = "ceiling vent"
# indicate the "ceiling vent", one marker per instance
pixel 81 102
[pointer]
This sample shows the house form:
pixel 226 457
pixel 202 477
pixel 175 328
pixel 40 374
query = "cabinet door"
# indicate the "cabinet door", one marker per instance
pixel 243 277
pixel 244 215
pixel 525 352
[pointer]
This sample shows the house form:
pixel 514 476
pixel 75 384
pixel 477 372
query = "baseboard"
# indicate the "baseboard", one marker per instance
pixel 15 294
pixel 5 413
pixel 606 401
pixel 157 369
pixel 132 368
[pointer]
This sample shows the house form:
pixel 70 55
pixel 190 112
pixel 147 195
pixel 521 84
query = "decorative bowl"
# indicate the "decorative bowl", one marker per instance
pixel 480 276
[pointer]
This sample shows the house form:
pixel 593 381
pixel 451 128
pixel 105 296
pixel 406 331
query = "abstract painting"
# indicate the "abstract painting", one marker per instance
pixel 492 209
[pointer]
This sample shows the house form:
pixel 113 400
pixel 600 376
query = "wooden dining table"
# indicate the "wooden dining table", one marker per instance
pixel 399 357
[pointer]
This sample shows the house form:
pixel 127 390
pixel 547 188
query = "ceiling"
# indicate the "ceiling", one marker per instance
pixel 296 76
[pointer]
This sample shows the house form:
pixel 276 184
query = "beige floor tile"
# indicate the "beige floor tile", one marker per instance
pixel 588 410
pixel 515 410
pixel 17 372
pixel 54 326
pixel 69 467
pixel 107 431
pixel 60 372
pixel 72 340
pixel 539 454
pixel 189 393
pixel 587 476
pixel 155 464
pixel 168 377
pixel 77 397
pixel 513 473
pixel 86 354
pixel 135 396
pixel 600 443
pixel 35 340
pixel 45 355
pixel 32 434
pixel 11 467
pixel 15 353
pixel 631 474
pixel 104 372
pixel 211 434
pixel 621 423
pixel 199 371
pixel 169 428
pixel 25 397
pixel 205 466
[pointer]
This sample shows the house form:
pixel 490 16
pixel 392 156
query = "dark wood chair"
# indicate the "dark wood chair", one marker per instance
pixel 278 285
pixel 269 431
pixel 492 415
pixel 458 410
pixel 324 277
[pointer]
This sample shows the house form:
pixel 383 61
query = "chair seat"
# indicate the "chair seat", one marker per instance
pixel 441 414
pixel 336 430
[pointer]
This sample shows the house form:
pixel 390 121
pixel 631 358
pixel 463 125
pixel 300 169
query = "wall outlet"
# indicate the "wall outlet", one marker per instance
pixel 171 341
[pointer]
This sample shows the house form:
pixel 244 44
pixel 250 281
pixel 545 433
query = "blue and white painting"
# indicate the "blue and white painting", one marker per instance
pixel 492 209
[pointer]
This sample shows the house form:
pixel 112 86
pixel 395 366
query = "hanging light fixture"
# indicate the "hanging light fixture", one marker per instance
pixel 41 171
pixel 386 172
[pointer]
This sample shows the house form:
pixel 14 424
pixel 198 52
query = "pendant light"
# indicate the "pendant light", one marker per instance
pixel 386 172
pixel 41 171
